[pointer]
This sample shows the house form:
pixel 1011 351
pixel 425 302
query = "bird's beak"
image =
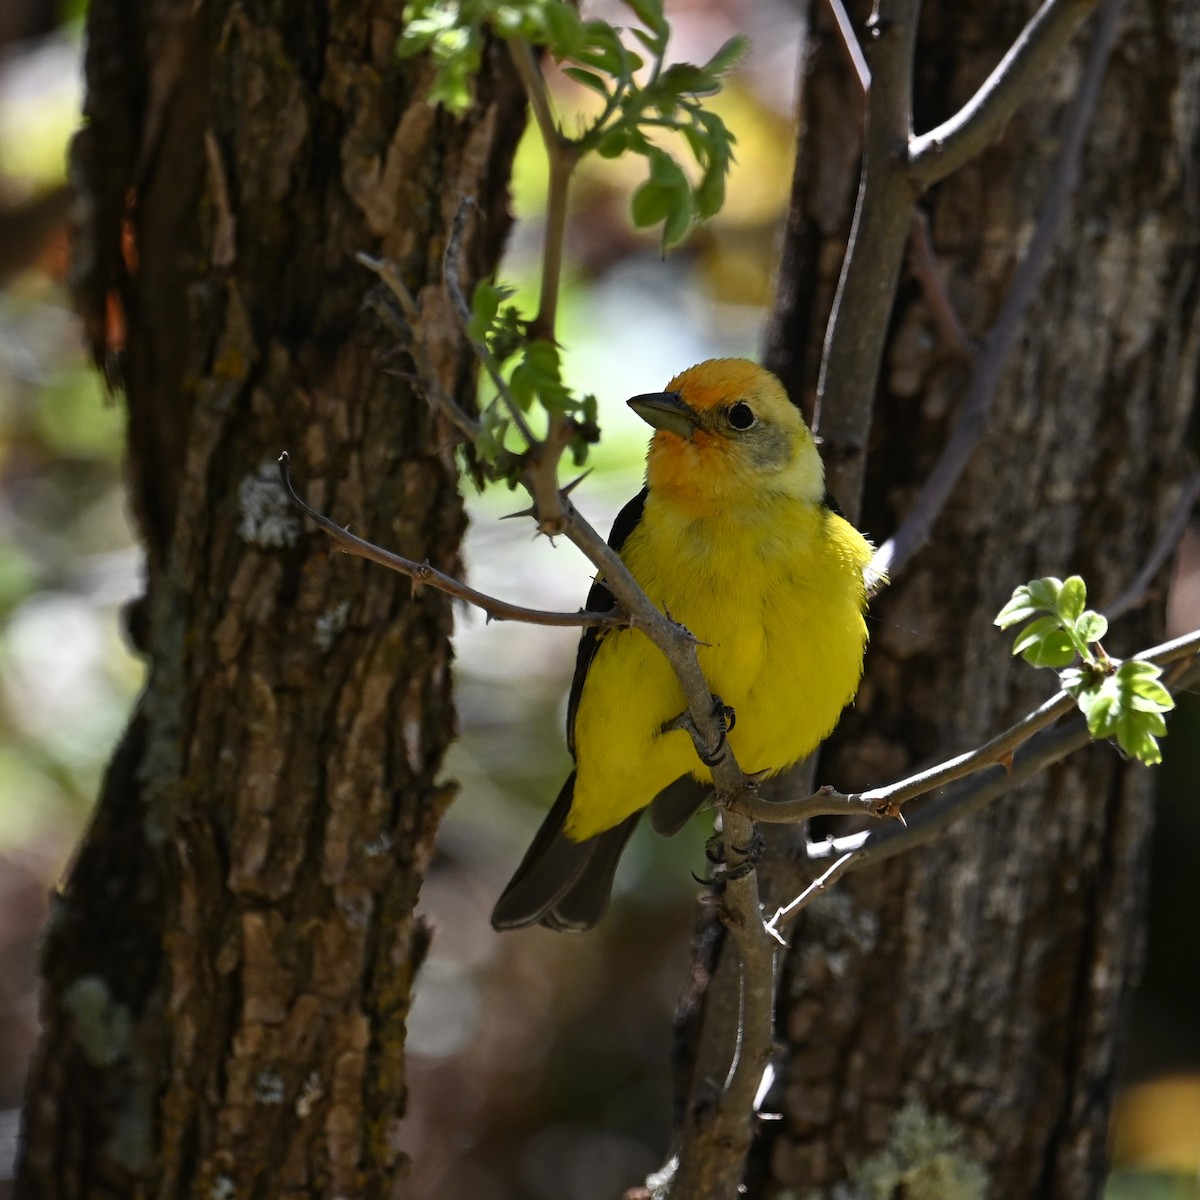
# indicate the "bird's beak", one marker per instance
pixel 666 410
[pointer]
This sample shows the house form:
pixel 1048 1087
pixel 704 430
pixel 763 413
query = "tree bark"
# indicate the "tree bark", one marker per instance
pixel 984 979
pixel 228 970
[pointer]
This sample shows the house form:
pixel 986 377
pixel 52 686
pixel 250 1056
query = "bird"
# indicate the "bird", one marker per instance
pixel 735 537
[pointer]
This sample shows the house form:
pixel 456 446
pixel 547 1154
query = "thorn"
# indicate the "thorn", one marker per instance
pixel 568 488
pixel 525 512
pixel 1006 761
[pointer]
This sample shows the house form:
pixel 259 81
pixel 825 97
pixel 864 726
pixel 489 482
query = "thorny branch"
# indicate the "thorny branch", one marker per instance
pixel 422 572
pixel 999 751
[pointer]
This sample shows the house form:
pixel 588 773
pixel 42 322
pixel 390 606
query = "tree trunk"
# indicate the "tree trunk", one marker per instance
pixel 984 979
pixel 229 968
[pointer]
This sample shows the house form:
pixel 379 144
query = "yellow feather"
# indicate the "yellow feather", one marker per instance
pixel 751 562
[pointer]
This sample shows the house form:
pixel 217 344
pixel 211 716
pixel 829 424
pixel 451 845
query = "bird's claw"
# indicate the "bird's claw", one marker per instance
pixel 751 856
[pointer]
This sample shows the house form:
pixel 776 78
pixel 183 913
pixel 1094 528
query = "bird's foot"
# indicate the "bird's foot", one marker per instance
pixel 748 857
pixel 726 720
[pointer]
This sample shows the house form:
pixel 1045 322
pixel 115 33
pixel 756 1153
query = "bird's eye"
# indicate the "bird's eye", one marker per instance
pixel 740 415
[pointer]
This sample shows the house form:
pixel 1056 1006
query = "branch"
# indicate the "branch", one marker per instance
pixel 434 393
pixel 925 269
pixel 562 156
pixel 499 610
pixel 845 28
pixel 866 290
pixel 970 422
pixel 1135 592
pixel 886 801
pixel 968 796
pixel 463 310
pixel 935 154
pixel 716 1136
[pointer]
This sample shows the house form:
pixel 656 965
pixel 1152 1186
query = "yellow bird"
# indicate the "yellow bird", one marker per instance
pixel 734 537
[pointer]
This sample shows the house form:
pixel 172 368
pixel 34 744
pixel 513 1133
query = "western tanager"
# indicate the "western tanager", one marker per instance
pixel 733 536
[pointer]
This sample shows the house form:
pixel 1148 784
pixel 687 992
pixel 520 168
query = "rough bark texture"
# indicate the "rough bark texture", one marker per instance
pixel 985 978
pixel 229 968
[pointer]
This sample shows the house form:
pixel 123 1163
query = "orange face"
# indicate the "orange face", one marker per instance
pixel 724 428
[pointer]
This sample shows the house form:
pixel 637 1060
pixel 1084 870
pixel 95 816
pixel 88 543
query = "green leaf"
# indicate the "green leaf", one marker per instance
pixel 1073 680
pixel 614 142
pixel 650 13
pixel 1043 593
pixel 589 80
pixel 564 30
pixel 664 194
pixel 1090 627
pixel 604 50
pixel 678 221
pixel 1136 738
pixel 1019 608
pixel 537 376
pixel 1055 650
pixel 686 79
pixel 485 305
pixel 1071 599
pixel 1037 631
pixel 657 46
pixel 1137 668
pixel 729 55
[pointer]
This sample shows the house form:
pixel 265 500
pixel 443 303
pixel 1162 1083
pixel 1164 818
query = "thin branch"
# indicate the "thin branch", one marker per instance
pixel 818 885
pixel 970 422
pixel 562 156
pixel 854 54
pixel 419 573
pixel 886 801
pixel 463 309
pixel 935 154
pixel 866 290
pixel 923 263
pixel 1136 591
pixel 435 393
pixel 966 798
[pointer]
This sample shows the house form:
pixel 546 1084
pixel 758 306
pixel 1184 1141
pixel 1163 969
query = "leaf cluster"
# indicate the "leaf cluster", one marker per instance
pixel 533 373
pixel 642 96
pixel 1121 700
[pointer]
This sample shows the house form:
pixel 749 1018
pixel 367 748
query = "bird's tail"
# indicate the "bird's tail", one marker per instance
pixel 562 884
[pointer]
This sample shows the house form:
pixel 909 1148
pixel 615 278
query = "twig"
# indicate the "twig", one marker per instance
pixel 562 156
pixel 482 350
pixel 1137 588
pixel 923 264
pixel 968 796
pixel 818 885
pixel 388 276
pixel 499 610
pixel 971 419
pixel 556 514
pixel 922 259
pixel 935 154
pixel 854 54
pixel 866 290
pixel 886 801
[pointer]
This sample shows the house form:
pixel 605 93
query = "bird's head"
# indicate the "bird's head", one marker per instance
pixel 726 430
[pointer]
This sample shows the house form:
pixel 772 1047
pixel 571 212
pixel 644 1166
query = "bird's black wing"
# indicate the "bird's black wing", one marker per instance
pixel 600 599
pixel 562 884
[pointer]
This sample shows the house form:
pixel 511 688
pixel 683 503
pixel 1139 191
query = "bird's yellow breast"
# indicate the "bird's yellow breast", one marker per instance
pixel 775 596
